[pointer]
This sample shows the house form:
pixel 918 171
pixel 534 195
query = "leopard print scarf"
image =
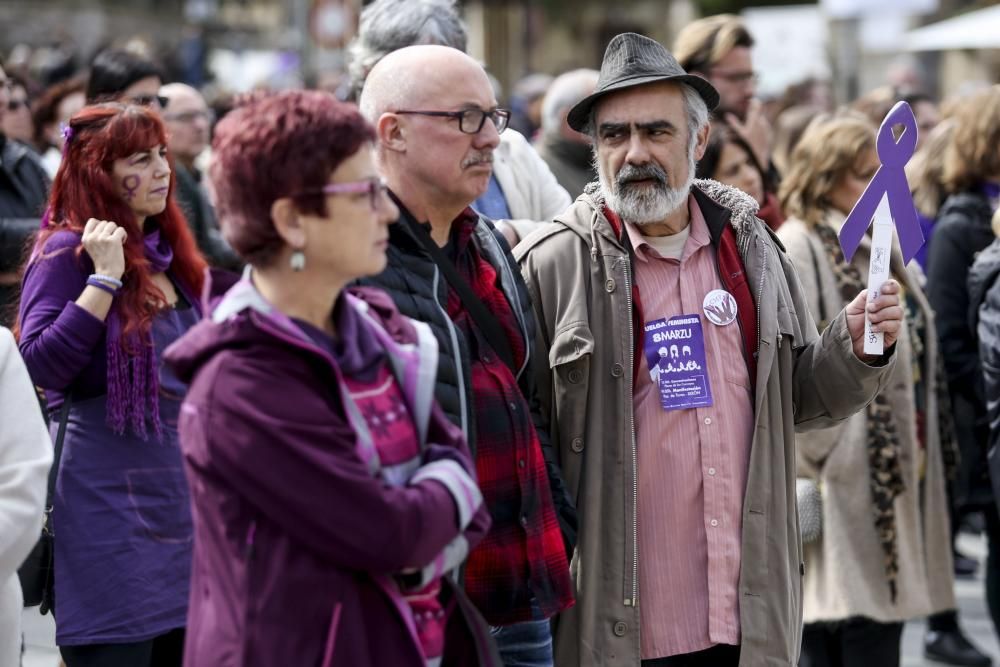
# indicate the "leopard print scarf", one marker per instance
pixel 884 449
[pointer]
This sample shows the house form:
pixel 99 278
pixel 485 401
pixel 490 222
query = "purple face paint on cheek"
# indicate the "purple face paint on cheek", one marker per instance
pixel 131 184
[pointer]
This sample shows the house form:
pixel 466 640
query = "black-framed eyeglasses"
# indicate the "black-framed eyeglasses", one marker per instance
pixel 14 105
pixel 149 100
pixel 470 121
pixel 373 187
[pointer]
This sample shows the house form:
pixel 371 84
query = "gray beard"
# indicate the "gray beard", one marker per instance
pixel 646 205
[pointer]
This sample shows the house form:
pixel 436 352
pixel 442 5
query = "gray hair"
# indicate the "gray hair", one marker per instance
pixel 388 25
pixel 697 116
pixel 565 92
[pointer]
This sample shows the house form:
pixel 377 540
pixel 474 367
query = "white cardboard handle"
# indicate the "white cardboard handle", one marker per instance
pixel 878 271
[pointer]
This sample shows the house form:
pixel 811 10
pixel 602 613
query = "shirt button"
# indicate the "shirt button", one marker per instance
pixel 609 285
pixel 714 523
pixel 617 370
pixel 577 445
pixel 487 358
pixel 513 406
pixel 575 375
pixel 524 520
pixel 521 463
pixel 708 421
pixel 711 471
pixel 620 629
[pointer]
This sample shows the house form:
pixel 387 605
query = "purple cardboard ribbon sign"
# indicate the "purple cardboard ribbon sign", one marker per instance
pixel 889 180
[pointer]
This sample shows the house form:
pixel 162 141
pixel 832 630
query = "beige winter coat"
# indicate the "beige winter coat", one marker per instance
pixel 845 575
pixel 579 276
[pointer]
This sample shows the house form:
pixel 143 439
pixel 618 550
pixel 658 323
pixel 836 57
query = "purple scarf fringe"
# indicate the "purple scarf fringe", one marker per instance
pixel 133 369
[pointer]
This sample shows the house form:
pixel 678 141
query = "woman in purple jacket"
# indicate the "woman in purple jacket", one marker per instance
pixel 331 496
pixel 110 283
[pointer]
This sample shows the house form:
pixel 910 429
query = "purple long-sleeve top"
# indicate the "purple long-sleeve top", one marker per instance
pixel 62 344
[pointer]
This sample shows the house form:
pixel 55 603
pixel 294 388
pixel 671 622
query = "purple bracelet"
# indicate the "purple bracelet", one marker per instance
pixel 99 284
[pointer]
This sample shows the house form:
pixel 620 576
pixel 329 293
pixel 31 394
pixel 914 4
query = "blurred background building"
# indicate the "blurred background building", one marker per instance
pixel 837 48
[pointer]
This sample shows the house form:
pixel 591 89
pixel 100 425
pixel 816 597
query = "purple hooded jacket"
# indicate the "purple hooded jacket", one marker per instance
pixel 299 541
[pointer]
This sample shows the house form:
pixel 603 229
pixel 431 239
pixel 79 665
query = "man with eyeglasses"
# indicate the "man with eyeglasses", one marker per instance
pixel 189 124
pixel 718 49
pixel 23 192
pixel 438 125
pixel 522 192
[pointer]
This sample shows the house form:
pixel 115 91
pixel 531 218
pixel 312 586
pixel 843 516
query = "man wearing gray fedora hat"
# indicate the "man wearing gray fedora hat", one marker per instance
pixel 681 360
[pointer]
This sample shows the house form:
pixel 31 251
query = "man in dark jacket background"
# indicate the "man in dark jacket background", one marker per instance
pixel 437 124
pixel 189 124
pixel 23 192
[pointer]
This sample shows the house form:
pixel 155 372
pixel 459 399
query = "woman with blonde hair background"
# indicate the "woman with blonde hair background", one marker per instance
pixel 884 554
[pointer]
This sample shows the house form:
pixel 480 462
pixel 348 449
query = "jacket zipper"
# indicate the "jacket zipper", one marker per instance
pixel 248 561
pixel 760 290
pixel 459 371
pixel 515 302
pixel 251 535
pixel 632 601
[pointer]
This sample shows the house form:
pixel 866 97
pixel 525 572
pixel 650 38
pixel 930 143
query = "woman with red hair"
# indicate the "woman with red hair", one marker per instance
pixel 110 283
pixel 332 497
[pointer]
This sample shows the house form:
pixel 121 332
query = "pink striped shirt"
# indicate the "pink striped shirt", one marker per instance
pixel 692 466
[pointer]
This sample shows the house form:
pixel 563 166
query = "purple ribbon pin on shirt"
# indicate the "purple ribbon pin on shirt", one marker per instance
pixel 890 181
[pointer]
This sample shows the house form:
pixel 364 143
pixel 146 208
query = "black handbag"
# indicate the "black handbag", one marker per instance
pixel 36 573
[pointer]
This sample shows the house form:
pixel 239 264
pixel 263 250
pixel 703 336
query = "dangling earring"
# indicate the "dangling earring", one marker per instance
pixel 297 260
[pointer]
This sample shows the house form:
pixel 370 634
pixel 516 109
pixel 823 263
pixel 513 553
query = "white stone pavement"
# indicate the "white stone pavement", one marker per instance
pixel 40 630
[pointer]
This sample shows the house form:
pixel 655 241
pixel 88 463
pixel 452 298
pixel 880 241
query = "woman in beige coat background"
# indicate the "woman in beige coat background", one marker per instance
pixel 884 554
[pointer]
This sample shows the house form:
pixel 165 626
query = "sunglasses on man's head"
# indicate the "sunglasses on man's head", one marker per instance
pixel 150 100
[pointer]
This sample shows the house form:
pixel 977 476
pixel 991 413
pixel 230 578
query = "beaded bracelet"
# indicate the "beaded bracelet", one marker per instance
pixel 100 284
pixel 108 280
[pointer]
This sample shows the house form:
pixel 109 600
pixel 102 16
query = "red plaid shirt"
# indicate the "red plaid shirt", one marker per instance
pixel 522 557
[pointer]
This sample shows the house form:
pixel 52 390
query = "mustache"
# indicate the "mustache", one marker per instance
pixel 479 157
pixel 649 171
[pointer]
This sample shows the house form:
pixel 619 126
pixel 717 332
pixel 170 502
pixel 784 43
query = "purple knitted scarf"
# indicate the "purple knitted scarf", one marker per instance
pixel 133 369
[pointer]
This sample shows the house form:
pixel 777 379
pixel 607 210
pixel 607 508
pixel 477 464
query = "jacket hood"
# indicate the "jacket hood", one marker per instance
pixel 240 317
pixel 742 209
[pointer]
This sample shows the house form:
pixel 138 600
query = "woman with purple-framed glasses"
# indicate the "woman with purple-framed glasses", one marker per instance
pixel 331 496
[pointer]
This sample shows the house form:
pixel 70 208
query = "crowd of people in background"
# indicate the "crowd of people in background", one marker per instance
pixel 381 380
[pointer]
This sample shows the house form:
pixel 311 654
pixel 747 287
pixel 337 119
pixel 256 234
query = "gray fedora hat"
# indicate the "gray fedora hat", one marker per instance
pixel 633 60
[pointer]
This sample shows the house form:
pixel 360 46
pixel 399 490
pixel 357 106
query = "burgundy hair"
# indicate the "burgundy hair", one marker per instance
pixel 273 146
pixel 83 189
